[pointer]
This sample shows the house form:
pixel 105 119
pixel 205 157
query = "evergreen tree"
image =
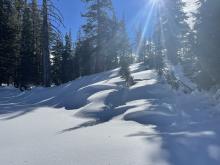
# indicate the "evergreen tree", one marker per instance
pixel 174 28
pixel 188 58
pixel 8 41
pixel 25 32
pixel 124 50
pixel 149 51
pixel 57 54
pixel 19 6
pixel 67 60
pixel 158 59
pixel 76 66
pixel 140 45
pixel 96 29
pixel 85 50
pixel 48 35
pixel 77 56
pixel 37 46
pixel 207 45
pixel 112 45
pixel 125 56
pixel 45 45
pixel 27 49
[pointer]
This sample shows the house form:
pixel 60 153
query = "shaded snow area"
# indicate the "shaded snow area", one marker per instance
pixel 96 120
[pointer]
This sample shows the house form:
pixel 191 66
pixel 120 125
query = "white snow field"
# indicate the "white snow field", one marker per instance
pixel 96 120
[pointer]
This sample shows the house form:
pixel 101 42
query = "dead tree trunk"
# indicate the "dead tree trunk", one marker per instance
pixel 45 37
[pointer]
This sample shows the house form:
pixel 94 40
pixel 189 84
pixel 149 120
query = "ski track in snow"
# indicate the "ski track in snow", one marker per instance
pixel 95 120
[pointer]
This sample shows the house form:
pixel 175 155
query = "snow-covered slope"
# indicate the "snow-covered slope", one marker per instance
pixel 96 120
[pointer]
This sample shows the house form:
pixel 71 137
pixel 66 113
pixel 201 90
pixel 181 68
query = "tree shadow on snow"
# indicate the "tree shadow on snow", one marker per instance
pixel 83 125
pixel 112 102
pixel 186 142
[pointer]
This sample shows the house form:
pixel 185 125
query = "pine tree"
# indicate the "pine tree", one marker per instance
pixel 125 55
pixel 77 56
pixel 98 15
pixel 149 53
pixel 37 24
pixel 27 49
pixel 45 45
pixel 76 67
pixel 67 60
pixel 25 35
pixel 124 51
pixel 112 45
pixel 174 28
pixel 85 50
pixel 188 58
pixel 51 17
pixel 19 6
pixel 56 68
pixel 207 45
pixel 140 45
pixel 8 41
pixel 158 59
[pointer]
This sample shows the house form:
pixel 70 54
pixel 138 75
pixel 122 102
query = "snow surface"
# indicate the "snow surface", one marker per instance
pixel 96 120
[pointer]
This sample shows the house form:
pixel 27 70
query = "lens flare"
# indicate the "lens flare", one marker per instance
pixel 150 21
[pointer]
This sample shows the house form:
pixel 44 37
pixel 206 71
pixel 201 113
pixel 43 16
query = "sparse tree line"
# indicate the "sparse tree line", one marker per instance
pixel 173 42
pixel 34 52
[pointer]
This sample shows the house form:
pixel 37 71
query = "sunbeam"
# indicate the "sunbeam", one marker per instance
pixel 151 8
pixel 155 2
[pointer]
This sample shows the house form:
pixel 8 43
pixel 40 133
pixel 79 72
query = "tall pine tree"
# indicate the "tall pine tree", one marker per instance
pixel 207 45
pixel 67 60
pixel 27 49
pixel 37 45
pixel 98 15
pixel 9 50
pixel 45 45
pixel 57 55
pixel 174 28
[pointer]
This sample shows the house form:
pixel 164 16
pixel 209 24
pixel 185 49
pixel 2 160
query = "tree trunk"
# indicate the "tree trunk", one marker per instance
pixel 46 56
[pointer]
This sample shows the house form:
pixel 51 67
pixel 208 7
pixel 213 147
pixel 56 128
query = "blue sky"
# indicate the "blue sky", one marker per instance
pixel 134 11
